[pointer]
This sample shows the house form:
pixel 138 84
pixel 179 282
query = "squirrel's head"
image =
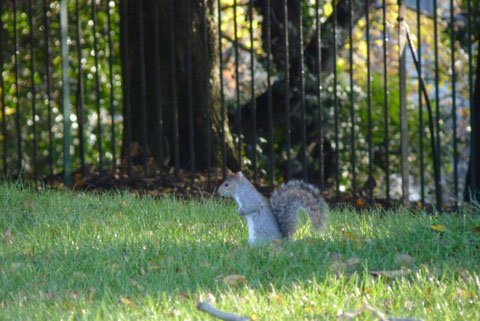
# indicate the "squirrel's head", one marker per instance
pixel 227 188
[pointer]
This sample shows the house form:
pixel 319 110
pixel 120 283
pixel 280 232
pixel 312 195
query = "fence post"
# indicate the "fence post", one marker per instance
pixel 67 161
pixel 402 35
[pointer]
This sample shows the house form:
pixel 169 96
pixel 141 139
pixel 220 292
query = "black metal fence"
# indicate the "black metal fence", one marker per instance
pixel 372 93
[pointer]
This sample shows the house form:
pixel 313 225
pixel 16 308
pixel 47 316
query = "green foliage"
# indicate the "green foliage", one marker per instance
pixel 41 101
pixel 114 256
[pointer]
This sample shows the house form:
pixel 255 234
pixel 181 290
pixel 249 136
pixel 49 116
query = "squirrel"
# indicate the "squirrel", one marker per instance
pixel 275 218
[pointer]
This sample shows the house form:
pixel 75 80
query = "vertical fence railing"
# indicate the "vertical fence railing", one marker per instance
pixel 33 92
pixel 97 87
pixel 303 130
pixel 437 104
pixel 402 73
pixel 385 102
pixel 288 119
pixel 67 157
pixel 2 87
pixel 48 86
pixel 369 104
pixel 237 86
pixel 126 85
pixel 112 88
pixel 335 105
pixel 318 78
pixel 252 94
pixel 188 64
pixel 206 84
pixel 473 131
pixel 420 107
pixel 17 91
pixel 79 103
pixel 143 85
pixel 158 97
pixel 352 106
pixel 269 93
pixel 222 93
pixel 454 105
pixel 287 91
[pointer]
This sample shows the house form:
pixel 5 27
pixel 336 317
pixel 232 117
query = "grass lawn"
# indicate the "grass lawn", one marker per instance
pixel 74 256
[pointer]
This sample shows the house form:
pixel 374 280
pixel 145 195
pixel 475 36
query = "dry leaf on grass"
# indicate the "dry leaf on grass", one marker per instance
pixel 28 204
pixel 234 280
pixel 90 295
pixel 79 276
pixel 308 309
pixel 128 302
pixel 352 262
pixel 404 259
pixel 276 298
pixel 7 236
pixel 136 285
pixel 439 228
pixel 50 294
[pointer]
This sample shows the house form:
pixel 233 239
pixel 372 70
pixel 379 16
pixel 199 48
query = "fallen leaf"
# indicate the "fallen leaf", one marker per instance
pixel 185 295
pixel 73 294
pixel 439 227
pixel 352 262
pixel 308 309
pixel 275 297
pixel 128 302
pixel 234 280
pixel 7 236
pixel 368 290
pixel 90 295
pixel 350 236
pixel 79 275
pixel 275 247
pixel 338 267
pixel 114 267
pixel 28 204
pixel 50 294
pixel 135 284
pixel 404 259
pixel 461 293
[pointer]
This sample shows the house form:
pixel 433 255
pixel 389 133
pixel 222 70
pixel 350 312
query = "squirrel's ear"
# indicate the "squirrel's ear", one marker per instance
pixel 238 175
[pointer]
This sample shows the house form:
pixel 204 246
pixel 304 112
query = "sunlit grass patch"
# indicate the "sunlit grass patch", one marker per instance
pixel 115 256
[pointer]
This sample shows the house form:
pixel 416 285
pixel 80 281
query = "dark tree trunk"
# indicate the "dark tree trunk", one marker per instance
pixel 310 66
pixel 160 134
pixel 469 192
pixel 310 45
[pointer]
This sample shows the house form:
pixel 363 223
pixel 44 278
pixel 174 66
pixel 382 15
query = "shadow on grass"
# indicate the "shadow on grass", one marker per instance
pixel 148 268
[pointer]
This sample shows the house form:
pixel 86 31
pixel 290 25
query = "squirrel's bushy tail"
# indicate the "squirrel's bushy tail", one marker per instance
pixel 294 196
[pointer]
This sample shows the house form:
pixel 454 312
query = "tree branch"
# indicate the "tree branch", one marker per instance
pixel 226 316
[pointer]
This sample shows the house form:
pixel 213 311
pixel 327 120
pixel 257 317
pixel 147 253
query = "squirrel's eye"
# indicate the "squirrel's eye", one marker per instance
pixel 226 185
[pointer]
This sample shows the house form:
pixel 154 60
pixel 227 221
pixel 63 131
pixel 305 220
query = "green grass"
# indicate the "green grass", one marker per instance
pixel 74 256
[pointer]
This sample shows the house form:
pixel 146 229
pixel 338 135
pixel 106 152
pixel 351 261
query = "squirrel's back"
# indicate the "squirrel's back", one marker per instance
pixel 294 196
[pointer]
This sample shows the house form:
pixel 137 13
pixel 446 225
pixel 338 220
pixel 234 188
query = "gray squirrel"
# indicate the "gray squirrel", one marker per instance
pixel 275 218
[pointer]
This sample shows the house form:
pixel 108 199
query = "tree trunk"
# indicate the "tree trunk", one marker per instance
pixel 310 45
pixel 160 116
